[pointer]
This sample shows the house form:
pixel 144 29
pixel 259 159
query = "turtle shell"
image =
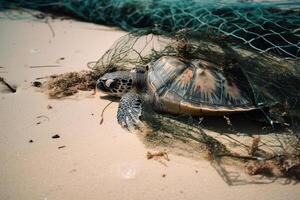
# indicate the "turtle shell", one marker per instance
pixel 197 87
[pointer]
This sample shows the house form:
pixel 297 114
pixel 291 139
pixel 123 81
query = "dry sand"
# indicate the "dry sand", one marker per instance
pixel 98 161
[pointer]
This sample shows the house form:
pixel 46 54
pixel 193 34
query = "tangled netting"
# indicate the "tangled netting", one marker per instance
pixel 252 38
pixel 274 83
pixel 266 26
pixel 272 80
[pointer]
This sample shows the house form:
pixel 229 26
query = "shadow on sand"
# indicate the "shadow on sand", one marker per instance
pixel 244 149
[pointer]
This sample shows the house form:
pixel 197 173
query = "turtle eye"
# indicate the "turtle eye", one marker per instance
pixel 108 82
pixel 113 85
pixel 100 84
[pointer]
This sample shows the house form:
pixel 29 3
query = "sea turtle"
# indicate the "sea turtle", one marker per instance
pixel 178 86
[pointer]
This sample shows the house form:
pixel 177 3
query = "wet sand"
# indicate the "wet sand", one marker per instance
pixel 89 160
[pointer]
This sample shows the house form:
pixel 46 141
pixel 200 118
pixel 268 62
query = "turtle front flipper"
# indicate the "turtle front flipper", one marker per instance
pixel 130 111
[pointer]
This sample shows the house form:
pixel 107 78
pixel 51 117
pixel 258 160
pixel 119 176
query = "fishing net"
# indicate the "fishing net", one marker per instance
pixel 274 84
pixel 272 79
pixel 267 26
pixel 260 41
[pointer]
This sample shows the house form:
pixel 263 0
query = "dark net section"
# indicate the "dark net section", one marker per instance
pixel 275 92
pixel 272 80
pixel 261 40
pixel 266 26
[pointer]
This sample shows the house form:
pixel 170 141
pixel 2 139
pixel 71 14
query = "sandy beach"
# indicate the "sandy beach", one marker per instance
pixel 89 160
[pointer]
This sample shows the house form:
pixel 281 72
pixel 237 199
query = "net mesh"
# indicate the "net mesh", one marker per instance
pixel 261 40
pixel 274 86
pixel 266 26
pixel 272 79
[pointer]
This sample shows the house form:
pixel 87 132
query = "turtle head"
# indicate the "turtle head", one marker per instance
pixel 115 83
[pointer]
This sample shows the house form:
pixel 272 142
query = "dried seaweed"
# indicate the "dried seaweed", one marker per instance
pixel 70 83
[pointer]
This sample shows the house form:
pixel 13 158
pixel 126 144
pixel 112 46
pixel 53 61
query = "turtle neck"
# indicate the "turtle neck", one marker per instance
pixel 140 81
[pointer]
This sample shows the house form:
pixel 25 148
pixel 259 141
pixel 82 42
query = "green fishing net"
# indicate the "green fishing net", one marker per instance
pixel 272 79
pixel 274 83
pixel 261 40
pixel 266 26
